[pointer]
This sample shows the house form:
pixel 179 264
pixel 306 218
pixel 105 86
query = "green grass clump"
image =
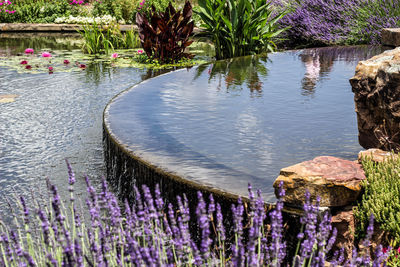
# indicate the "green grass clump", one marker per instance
pixel 381 197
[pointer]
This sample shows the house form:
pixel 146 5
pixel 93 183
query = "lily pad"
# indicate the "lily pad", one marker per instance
pixel 7 98
pixel 36 64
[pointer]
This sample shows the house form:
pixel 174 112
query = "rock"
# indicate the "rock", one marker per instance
pixel 376 155
pixel 377 99
pixel 344 223
pixel 335 180
pixel 391 36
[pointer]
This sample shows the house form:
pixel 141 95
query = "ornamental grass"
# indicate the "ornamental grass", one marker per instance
pixel 152 232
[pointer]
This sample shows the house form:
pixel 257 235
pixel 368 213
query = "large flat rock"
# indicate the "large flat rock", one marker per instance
pixel 336 181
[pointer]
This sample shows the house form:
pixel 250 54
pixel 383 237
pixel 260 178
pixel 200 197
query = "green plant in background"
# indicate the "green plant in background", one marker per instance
pixel 239 27
pixel 165 36
pixel 381 197
pixel 40 11
pixel 104 39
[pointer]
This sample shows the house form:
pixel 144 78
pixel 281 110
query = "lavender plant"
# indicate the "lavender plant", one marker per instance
pixel 371 17
pixel 319 22
pixel 151 232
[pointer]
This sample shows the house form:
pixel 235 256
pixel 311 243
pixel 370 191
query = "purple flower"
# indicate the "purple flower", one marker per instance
pixel 29 51
pixel 46 54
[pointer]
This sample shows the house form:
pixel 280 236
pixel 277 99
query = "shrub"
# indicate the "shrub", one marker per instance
pixel 371 17
pixel 239 27
pixel 154 233
pixel 165 36
pixel 37 11
pixel 382 192
pixel 319 22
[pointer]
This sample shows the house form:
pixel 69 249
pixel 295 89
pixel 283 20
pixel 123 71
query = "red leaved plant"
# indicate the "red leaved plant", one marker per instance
pixel 165 35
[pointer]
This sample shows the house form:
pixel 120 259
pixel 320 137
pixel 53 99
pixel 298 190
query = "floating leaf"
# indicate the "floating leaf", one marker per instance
pixel 7 98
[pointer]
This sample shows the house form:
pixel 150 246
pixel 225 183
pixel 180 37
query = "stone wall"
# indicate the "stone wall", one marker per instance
pixel 376 88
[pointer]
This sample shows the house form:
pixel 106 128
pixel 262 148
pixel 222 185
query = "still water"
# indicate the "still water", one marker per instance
pixel 54 117
pixel 248 116
pixel 242 120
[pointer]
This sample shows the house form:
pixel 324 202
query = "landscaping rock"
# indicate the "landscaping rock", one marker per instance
pixel 344 222
pixel 376 155
pixel 391 36
pixel 336 181
pixel 376 88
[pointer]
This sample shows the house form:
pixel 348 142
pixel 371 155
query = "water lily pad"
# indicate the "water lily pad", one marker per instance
pixel 7 98
pixel 34 64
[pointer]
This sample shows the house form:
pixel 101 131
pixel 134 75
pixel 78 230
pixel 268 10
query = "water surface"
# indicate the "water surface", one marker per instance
pixel 242 120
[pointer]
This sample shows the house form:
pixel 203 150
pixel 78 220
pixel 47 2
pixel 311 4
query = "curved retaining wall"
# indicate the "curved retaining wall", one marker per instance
pixel 124 169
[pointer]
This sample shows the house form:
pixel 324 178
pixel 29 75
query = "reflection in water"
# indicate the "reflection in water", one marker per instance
pixel 236 72
pixel 318 62
pixel 241 120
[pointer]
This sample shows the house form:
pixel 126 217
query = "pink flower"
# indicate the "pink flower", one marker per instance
pixel 46 54
pixel 28 67
pixel 114 55
pixel 1 3
pixel 51 68
pixel 80 2
pixel 140 51
pixel 12 12
pixel 23 62
pixel 66 61
pixel 82 66
pixel 29 51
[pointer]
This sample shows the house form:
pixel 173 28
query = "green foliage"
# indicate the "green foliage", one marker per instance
pixel 239 27
pixel 107 7
pixel 381 197
pixel 165 36
pixel 370 17
pixel 99 39
pixel 40 11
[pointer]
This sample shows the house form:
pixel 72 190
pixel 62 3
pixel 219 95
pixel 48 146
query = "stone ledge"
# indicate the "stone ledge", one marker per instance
pixel 336 181
pixel 44 27
pixel 391 36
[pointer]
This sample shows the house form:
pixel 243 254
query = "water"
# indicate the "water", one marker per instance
pixel 242 120
pixel 54 117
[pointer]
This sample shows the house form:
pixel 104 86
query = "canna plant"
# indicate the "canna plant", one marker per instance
pixel 239 27
pixel 165 35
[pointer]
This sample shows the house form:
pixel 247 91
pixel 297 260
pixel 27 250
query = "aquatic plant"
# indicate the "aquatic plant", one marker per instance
pixel 165 35
pixel 101 38
pixel 29 51
pixel 46 54
pixel 152 232
pixel 239 27
pixel 382 187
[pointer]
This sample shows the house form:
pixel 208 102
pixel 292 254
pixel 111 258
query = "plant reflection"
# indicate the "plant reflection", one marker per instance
pixel 249 70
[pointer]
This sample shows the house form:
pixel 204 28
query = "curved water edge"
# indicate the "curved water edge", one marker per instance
pixel 171 129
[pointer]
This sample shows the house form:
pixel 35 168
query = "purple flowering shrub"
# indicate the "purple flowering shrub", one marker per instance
pixel 327 22
pixel 371 17
pixel 151 232
pixel 319 22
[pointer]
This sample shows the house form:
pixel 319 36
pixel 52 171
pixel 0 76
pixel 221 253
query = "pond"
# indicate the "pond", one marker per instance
pixel 54 117
pixel 240 121
pixel 281 110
